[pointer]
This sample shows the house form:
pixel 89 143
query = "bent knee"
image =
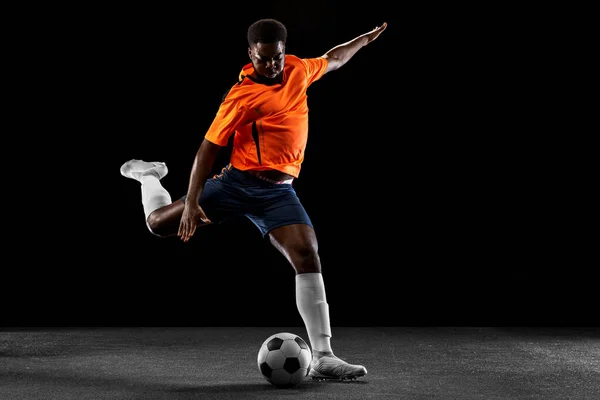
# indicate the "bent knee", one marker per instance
pixel 306 260
pixel 158 225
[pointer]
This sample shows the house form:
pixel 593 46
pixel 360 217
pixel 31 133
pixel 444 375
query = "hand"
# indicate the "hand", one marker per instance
pixel 191 217
pixel 374 34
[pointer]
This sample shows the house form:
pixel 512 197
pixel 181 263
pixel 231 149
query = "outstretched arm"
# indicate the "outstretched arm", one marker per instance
pixel 342 53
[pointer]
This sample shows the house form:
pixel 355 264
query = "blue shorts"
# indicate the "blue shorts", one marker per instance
pixel 235 193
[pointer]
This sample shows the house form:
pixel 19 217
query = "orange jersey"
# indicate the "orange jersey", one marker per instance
pixel 270 122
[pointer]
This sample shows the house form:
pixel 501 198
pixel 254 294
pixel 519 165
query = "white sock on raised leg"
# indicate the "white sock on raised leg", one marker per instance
pixel 149 174
pixel 154 195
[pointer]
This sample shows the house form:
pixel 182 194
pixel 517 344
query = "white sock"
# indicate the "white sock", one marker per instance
pixel 314 310
pixel 154 195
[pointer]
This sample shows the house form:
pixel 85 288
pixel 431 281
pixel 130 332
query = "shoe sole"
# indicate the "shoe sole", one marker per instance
pixel 321 377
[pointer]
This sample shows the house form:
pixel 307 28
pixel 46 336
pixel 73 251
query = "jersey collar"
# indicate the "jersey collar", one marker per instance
pixel 248 70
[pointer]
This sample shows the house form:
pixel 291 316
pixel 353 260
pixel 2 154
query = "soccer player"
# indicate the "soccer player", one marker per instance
pixel 266 111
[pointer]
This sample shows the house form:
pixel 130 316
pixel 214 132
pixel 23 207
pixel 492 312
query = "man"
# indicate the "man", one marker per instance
pixel 267 112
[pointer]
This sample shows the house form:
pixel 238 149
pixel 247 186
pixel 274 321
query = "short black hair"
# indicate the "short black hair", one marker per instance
pixel 267 30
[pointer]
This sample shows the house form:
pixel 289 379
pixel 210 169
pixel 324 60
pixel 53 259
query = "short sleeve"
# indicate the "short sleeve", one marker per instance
pixel 229 116
pixel 315 68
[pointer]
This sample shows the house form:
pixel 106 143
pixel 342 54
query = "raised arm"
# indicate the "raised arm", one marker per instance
pixel 342 53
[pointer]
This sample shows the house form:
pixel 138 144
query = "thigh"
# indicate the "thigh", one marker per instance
pixel 298 243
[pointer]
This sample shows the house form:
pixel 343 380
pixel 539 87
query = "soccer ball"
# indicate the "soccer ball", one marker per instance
pixel 284 359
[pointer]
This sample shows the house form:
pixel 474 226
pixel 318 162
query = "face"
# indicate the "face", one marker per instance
pixel 268 58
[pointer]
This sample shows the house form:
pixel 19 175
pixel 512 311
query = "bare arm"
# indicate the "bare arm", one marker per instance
pixel 342 53
pixel 201 169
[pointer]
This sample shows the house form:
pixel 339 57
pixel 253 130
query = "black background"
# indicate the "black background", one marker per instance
pixel 428 174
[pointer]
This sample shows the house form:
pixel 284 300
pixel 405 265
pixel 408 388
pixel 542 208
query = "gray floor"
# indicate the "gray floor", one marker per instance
pixel 220 363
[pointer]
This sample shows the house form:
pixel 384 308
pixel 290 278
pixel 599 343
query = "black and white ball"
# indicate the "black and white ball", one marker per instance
pixel 284 359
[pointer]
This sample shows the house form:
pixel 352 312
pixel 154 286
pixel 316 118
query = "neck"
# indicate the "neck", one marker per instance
pixel 267 81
